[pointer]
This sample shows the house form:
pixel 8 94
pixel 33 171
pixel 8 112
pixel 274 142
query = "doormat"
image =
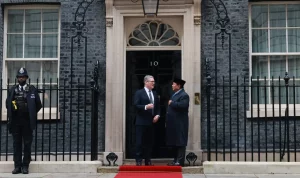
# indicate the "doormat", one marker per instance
pixel 149 172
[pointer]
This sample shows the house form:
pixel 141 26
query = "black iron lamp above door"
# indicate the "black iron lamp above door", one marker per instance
pixel 150 7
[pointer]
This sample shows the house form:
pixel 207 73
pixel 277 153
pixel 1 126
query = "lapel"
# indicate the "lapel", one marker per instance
pixel 175 97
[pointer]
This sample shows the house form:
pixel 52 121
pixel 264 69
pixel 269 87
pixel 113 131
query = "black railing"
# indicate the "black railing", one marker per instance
pixel 252 119
pixel 67 124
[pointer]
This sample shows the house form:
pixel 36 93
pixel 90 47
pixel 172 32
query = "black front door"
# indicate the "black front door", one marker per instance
pixel 164 66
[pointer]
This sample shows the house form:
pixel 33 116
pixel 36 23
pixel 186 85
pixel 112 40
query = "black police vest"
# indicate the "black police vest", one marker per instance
pixel 20 98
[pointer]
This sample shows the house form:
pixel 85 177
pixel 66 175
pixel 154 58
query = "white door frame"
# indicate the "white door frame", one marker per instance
pixel 115 112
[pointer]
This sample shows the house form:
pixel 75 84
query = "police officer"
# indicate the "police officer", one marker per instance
pixel 23 104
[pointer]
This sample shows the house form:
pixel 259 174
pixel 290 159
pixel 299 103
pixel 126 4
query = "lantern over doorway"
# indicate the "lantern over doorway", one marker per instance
pixel 150 7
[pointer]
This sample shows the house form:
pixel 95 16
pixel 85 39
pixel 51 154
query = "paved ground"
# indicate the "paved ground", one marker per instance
pixel 82 175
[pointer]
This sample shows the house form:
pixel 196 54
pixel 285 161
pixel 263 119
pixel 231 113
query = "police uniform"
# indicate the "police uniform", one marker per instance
pixel 23 104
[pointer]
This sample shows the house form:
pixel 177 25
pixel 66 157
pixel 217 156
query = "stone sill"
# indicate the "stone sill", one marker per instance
pixel 40 115
pixel 270 113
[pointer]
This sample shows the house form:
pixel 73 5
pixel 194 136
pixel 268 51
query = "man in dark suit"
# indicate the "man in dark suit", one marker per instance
pixel 177 122
pixel 22 103
pixel 148 111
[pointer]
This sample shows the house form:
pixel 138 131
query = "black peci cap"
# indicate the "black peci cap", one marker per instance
pixel 179 82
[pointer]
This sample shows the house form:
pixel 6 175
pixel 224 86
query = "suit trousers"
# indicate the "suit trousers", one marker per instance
pixel 22 133
pixel 179 154
pixel 144 142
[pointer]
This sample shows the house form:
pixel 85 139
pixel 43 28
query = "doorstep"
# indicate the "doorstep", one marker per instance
pixel 185 170
pixel 156 162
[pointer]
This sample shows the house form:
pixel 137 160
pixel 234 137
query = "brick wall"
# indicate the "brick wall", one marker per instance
pixel 96 50
pixel 245 132
pixel 219 67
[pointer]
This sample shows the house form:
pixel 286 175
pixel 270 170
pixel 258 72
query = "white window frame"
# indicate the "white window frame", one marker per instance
pixel 261 109
pixel 41 115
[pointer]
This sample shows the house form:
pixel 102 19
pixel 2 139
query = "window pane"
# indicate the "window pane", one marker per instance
pixel 50 71
pixel 15 21
pixel 279 92
pixel 50 20
pixel 50 43
pixel 32 46
pixel 277 16
pixel 12 70
pixel 49 95
pixel 32 21
pixel 294 40
pixel 293 15
pixel 34 71
pixel 294 91
pixel 260 92
pixel 260 41
pixel 259 16
pixel 259 67
pixel 277 66
pixel 14 46
pixel 171 42
pixel 278 40
pixel 294 66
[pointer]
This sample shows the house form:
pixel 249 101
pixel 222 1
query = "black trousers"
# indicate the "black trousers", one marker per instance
pixel 144 142
pixel 179 154
pixel 22 133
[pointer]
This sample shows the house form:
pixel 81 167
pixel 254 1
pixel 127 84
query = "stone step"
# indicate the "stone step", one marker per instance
pixel 234 167
pixel 157 162
pixel 55 166
pixel 185 170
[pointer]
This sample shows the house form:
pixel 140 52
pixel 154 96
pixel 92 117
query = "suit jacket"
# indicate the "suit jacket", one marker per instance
pixel 177 121
pixel 141 99
pixel 33 102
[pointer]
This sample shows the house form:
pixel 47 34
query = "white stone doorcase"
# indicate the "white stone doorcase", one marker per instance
pixel 120 17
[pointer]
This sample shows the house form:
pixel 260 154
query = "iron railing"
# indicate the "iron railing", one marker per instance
pixel 251 119
pixel 67 127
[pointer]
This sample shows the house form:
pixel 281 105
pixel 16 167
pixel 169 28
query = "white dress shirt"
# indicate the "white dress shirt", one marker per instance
pixel 20 87
pixel 147 91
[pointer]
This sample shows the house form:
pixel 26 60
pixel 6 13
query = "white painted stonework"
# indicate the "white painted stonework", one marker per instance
pixel 122 16
pixel 55 166
pixel 213 167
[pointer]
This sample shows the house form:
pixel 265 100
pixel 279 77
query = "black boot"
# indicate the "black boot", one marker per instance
pixel 171 163
pixel 17 170
pixel 180 156
pixel 25 170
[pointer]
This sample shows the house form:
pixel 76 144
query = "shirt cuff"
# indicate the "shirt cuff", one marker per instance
pixel 145 107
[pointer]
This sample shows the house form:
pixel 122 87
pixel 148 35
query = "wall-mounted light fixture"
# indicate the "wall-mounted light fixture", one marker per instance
pixel 150 7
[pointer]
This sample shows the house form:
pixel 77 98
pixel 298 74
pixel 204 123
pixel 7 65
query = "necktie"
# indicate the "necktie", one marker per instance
pixel 151 101
pixel 22 88
pixel 150 96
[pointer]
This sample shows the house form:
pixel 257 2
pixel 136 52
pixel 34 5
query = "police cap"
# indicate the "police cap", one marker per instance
pixel 22 72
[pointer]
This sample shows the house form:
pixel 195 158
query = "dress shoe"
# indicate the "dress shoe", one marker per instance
pixel 25 170
pixel 173 164
pixel 138 163
pixel 148 163
pixel 17 170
